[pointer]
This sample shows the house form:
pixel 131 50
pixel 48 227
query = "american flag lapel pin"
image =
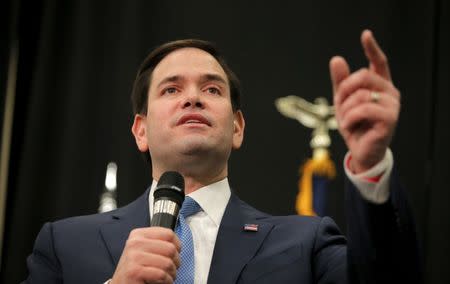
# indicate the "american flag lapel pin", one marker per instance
pixel 251 227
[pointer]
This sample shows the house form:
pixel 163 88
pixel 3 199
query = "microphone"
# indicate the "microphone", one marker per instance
pixel 168 197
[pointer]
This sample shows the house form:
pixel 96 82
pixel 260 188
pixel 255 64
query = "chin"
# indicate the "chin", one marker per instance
pixel 196 145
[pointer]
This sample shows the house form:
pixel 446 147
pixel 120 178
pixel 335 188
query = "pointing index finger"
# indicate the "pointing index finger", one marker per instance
pixel 375 55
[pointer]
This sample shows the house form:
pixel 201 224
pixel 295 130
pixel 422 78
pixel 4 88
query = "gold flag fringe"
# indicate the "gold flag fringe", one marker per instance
pixel 322 166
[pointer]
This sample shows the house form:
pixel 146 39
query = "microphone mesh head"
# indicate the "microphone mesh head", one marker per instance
pixel 170 186
pixel 172 178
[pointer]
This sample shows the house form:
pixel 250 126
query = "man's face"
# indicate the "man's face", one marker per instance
pixel 189 111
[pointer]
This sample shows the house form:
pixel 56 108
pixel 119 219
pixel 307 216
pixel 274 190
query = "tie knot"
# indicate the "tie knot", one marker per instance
pixel 189 207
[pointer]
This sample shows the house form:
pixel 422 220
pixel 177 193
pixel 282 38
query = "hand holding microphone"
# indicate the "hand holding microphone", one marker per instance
pixel 151 255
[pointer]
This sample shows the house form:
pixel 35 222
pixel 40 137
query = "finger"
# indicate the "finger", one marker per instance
pixel 362 79
pixel 165 264
pixel 363 96
pixel 355 99
pixel 155 275
pixel 177 260
pixel 147 266
pixel 339 70
pixel 156 261
pixel 159 247
pixel 375 55
pixel 364 116
pixel 159 233
pixel 176 241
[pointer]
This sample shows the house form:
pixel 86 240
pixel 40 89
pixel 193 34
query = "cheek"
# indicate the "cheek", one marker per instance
pixel 227 127
pixel 160 111
pixel 158 122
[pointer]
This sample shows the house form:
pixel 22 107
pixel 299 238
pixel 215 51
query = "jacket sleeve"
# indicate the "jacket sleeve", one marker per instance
pixel 329 252
pixel 382 239
pixel 43 264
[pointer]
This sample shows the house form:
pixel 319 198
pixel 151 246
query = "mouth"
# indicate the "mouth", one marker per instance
pixel 193 119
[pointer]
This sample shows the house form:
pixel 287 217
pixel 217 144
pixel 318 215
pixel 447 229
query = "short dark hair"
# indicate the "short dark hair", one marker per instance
pixel 139 95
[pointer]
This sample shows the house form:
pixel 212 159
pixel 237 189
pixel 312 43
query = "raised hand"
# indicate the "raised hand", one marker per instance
pixel 367 105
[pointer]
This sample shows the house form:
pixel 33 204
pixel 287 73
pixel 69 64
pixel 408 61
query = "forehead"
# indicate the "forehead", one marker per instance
pixel 187 62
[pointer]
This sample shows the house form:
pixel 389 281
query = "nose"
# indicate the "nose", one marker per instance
pixel 193 99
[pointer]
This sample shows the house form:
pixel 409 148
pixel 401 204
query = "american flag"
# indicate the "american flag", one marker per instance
pixel 251 227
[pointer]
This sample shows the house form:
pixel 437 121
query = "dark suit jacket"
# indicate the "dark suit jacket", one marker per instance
pixel 288 249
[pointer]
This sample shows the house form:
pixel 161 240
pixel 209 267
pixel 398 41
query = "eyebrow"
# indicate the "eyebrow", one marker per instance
pixel 203 78
pixel 213 77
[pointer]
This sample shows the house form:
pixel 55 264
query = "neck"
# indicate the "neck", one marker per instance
pixel 193 180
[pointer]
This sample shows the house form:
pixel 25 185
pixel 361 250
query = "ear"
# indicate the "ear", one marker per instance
pixel 139 130
pixel 239 125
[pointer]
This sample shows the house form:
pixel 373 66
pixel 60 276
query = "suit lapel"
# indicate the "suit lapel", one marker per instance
pixel 115 234
pixel 236 246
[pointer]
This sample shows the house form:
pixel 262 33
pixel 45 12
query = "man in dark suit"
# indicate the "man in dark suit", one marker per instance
pixel 188 119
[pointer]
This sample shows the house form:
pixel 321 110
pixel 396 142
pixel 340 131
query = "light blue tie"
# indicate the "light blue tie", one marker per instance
pixel 185 273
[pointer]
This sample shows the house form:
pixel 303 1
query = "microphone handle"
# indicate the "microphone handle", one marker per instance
pixel 165 220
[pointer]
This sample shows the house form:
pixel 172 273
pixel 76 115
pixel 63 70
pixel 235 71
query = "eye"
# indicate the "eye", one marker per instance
pixel 170 90
pixel 213 90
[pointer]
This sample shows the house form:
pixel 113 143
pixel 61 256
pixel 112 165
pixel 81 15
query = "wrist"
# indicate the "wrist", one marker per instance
pixel 358 167
pixel 372 173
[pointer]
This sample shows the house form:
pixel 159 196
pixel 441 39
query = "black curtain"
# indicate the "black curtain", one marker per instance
pixel 77 62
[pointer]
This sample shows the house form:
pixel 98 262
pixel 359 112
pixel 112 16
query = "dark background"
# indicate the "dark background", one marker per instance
pixel 78 59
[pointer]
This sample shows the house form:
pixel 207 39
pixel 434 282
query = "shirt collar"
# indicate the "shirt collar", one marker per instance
pixel 213 199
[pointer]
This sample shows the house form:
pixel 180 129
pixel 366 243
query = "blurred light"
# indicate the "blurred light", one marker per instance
pixel 108 198
pixel 107 203
pixel 111 176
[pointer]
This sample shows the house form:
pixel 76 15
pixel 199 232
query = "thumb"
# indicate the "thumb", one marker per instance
pixel 339 70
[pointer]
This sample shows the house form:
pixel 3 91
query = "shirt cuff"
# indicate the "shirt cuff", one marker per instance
pixel 376 192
